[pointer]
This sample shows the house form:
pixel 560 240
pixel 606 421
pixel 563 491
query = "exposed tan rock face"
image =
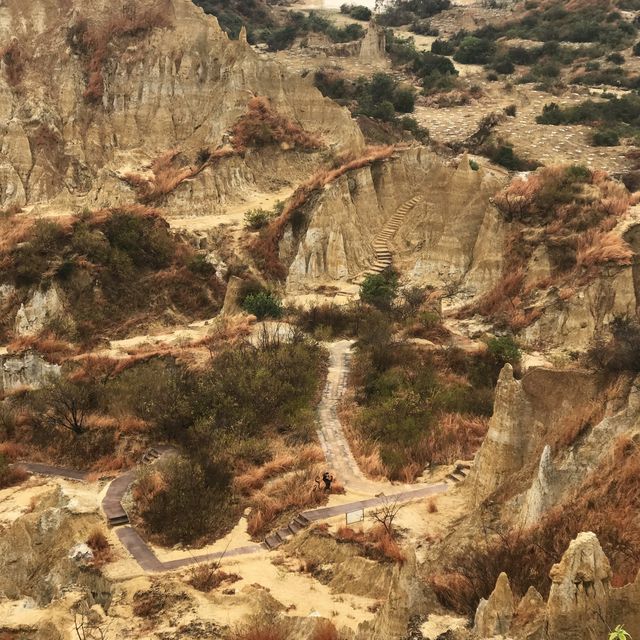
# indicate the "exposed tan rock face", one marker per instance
pixel 373 49
pixel 454 233
pixel 581 604
pixel 40 309
pixel 527 415
pixel 580 592
pixel 173 87
pixel 493 616
pixel 26 370
pixel 571 324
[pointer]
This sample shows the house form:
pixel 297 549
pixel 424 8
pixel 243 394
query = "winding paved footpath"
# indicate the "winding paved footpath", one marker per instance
pixel 338 455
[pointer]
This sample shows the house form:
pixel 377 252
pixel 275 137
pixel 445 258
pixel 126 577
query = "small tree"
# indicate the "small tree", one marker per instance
pixel 263 304
pixel 380 289
pixel 67 405
pixel 386 513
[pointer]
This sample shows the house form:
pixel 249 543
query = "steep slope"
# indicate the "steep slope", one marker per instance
pixel 88 89
pixel 442 238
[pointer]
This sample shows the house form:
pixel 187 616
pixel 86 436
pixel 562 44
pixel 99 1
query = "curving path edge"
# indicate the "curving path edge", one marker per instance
pixel 338 455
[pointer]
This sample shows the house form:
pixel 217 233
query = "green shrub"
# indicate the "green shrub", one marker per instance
pixel 380 289
pixel 504 350
pixel 474 50
pixel 256 219
pixel 605 138
pixel 194 502
pixel 474 165
pixel 404 100
pixel 263 304
pixel 357 12
pixel 199 265
pixel 442 47
pixel 636 48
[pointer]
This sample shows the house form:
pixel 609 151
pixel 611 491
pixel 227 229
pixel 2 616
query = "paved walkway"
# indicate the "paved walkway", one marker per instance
pixel 331 434
pixel 334 445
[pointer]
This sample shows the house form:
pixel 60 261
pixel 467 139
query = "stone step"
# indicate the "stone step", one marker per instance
pixel 283 533
pixel 117 521
pixel 272 542
pixel 302 520
pixel 294 527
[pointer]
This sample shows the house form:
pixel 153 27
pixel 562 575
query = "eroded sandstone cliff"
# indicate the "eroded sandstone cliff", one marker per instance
pixel 89 88
pixel 453 234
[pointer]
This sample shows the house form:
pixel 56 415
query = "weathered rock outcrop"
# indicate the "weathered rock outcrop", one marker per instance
pixel 26 370
pixel 493 616
pixel 580 591
pixel 43 307
pixel 177 86
pixel 581 604
pixel 452 234
pixel 528 415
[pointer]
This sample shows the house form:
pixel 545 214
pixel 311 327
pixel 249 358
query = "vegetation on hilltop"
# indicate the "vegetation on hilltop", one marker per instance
pixel 117 268
pixel 230 416
pixel 570 212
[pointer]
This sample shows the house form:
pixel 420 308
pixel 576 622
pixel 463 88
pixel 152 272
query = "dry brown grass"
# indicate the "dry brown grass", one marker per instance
pixel 12 475
pixel 166 173
pixel 262 125
pixel 575 424
pixel 285 497
pixel 12 451
pixel 261 628
pixel 206 577
pixel 606 503
pixel 95 40
pixel 265 247
pixel 46 344
pixel 325 630
pixel 100 546
pixel 458 436
pixel 432 505
pixel 599 247
pixel 376 542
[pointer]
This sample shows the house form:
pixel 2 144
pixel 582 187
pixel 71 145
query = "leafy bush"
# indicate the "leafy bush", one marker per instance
pixel 263 304
pixel 193 502
pixel 402 12
pixel 636 49
pixel 605 138
pixel 442 47
pixel 357 12
pixel 380 289
pixel 473 50
pixel 256 219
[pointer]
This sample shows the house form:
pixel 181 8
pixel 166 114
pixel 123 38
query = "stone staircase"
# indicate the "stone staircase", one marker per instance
pixel 274 540
pixel 112 502
pixel 460 472
pixel 383 258
pixel 150 456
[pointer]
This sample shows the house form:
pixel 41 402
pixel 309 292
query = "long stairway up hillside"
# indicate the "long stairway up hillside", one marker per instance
pixel 381 247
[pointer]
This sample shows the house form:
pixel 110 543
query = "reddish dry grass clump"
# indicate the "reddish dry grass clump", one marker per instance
pixel 100 546
pixel 261 629
pixel 206 577
pixel 94 40
pixel 46 344
pixel 166 174
pixel 285 497
pixel 265 247
pixel 261 125
pixel 571 212
pixel 376 542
